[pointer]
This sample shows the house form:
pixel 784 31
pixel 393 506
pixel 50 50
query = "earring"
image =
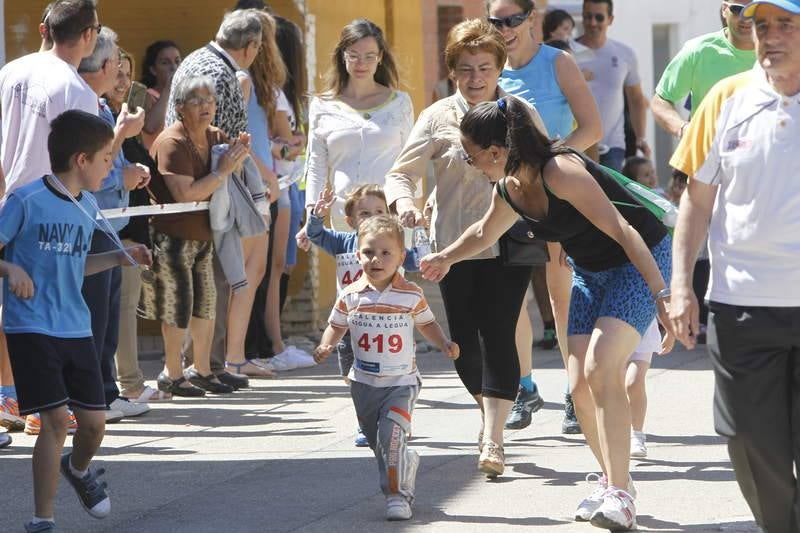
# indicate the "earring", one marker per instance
pixel 494 161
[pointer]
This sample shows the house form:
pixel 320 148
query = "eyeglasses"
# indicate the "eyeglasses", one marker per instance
pixel 196 101
pixel 96 28
pixel 470 159
pixel 512 21
pixel 369 59
pixel 736 9
pixel 598 17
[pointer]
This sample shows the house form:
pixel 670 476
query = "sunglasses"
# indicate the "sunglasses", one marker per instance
pixel 598 17
pixel 511 21
pixel 736 9
pixel 470 159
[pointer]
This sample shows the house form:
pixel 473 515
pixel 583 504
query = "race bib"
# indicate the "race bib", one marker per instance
pixel 348 270
pixel 383 343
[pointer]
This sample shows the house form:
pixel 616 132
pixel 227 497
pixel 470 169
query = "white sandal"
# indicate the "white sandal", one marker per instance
pixel 260 371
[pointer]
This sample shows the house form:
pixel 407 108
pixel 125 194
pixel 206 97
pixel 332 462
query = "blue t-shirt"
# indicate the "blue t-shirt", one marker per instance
pixel 49 237
pixel 537 83
pixel 258 128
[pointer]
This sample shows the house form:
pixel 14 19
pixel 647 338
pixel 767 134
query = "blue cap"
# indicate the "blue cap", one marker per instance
pixel 792 6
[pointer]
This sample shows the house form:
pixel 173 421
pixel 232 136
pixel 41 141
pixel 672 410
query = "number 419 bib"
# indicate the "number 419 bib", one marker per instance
pixel 383 343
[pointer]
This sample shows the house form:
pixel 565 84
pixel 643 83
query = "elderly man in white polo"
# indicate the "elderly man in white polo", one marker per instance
pixel 741 152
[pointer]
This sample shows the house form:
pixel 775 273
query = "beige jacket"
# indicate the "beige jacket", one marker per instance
pixel 463 193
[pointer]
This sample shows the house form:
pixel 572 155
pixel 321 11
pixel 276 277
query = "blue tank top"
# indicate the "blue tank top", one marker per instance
pixel 258 128
pixel 537 83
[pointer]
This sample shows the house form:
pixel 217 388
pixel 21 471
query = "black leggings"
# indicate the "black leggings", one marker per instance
pixel 482 300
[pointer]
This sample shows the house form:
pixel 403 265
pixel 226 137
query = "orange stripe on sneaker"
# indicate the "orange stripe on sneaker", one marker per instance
pixel 401 412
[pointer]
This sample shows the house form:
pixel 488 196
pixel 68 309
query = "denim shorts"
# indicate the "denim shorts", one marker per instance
pixel 297 199
pixel 620 292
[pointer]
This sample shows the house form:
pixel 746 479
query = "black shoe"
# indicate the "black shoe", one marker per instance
pixel 233 380
pixel 173 386
pixel 527 403
pixel 549 341
pixel 91 492
pixel 570 425
pixel 5 440
pixel 207 383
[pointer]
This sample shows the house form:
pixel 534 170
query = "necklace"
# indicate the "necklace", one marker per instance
pixel 192 145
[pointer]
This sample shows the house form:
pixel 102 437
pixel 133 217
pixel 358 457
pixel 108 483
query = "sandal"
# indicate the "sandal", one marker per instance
pixel 209 383
pixel 149 395
pixel 173 386
pixel 251 369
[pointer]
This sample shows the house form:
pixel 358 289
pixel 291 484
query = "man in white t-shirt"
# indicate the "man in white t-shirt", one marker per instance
pixel 613 75
pixel 38 87
pixel 740 151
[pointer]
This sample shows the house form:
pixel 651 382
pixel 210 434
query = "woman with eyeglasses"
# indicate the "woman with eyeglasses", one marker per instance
pixel 482 296
pixel 549 79
pixel 183 294
pixel 360 121
pixel 621 259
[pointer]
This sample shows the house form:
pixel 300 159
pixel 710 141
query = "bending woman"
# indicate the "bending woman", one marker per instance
pixel 620 257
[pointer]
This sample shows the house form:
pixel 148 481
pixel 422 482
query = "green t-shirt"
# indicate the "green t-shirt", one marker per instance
pixel 701 63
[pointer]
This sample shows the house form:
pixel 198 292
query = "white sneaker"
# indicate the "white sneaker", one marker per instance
pixel 129 409
pixel 638 444
pixel 113 415
pixel 291 358
pixel 617 512
pixel 397 508
pixel 590 504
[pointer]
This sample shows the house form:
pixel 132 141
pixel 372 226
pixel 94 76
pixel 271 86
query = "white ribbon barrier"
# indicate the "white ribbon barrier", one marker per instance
pixel 184 207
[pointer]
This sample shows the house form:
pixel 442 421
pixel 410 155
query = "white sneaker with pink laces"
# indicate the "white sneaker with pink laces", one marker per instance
pixel 616 513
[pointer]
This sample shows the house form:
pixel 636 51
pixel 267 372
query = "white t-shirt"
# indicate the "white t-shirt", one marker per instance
pixel 283 167
pixel 34 90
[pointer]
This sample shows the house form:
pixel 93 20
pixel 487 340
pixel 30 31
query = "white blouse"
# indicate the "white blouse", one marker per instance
pixel 349 147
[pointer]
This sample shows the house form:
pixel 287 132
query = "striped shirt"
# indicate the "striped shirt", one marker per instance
pixel 743 139
pixel 382 326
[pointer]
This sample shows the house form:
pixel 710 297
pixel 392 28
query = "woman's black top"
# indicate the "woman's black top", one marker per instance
pixel 587 245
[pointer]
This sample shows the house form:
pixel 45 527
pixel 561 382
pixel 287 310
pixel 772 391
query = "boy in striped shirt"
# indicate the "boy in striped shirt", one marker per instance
pixel 381 310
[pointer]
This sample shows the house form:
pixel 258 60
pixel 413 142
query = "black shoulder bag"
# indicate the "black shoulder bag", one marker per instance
pixel 519 246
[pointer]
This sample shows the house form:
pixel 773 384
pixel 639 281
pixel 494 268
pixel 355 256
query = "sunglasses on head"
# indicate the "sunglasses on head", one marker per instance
pixel 598 17
pixel 736 9
pixel 511 21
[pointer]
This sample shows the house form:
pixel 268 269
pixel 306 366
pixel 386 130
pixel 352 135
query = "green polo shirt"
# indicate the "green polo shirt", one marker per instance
pixel 701 63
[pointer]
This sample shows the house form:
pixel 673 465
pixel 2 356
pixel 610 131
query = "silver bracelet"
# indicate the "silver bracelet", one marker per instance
pixel 662 294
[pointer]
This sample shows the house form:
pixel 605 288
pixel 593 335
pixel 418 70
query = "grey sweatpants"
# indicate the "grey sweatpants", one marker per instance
pixel 384 414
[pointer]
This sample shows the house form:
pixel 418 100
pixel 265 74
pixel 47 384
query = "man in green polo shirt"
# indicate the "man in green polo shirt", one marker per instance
pixel 700 64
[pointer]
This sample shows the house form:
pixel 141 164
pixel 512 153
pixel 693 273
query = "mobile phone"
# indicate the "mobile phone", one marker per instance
pixel 136 96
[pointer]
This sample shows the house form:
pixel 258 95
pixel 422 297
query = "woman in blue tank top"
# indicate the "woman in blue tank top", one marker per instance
pixel 621 259
pixel 549 79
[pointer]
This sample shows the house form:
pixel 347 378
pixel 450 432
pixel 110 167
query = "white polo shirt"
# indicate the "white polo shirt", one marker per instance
pixel 745 138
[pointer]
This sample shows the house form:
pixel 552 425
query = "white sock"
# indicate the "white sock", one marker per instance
pixel 36 520
pixel 639 434
pixel 80 474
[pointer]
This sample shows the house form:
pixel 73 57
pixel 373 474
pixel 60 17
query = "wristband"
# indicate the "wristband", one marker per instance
pixel 662 294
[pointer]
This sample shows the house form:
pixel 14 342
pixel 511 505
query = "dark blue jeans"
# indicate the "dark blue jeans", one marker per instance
pixel 102 292
pixel 614 158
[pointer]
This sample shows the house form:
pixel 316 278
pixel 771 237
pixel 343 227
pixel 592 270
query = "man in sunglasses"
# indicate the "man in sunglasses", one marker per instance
pixel 740 151
pixel 614 70
pixel 701 63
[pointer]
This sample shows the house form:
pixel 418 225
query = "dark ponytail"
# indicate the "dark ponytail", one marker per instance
pixel 508 123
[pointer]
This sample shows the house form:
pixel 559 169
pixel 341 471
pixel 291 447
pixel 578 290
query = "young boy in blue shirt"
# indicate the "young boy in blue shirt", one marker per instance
pixel 45 230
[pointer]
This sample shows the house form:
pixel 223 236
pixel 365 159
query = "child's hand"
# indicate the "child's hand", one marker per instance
pixel 19 282
pixel 325 202
pixel 322 352
pixel 451 350
pixel 303 242
pixel 140 253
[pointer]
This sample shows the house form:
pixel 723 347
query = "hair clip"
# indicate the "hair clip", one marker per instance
pixel 501 103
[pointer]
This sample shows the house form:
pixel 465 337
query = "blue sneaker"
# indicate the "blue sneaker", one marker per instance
pixel 39 527
pixel 91 492
pixel 361 439
pixel 527 403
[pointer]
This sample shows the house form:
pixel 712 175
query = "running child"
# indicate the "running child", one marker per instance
pixel 381 310
pixel 362 203
pixel 46 229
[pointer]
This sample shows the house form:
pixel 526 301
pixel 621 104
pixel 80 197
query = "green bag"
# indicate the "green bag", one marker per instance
pixel 664 210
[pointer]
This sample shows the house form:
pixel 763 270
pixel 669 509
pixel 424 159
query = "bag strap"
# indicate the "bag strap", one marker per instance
pixel 220 55
pixel 503 192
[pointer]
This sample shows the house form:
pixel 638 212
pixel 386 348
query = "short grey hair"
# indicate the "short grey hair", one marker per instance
pixel 238 29
pixel 186 87
pixel 106 40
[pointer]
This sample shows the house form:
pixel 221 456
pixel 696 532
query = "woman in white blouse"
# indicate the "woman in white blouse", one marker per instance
pixel 360 121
